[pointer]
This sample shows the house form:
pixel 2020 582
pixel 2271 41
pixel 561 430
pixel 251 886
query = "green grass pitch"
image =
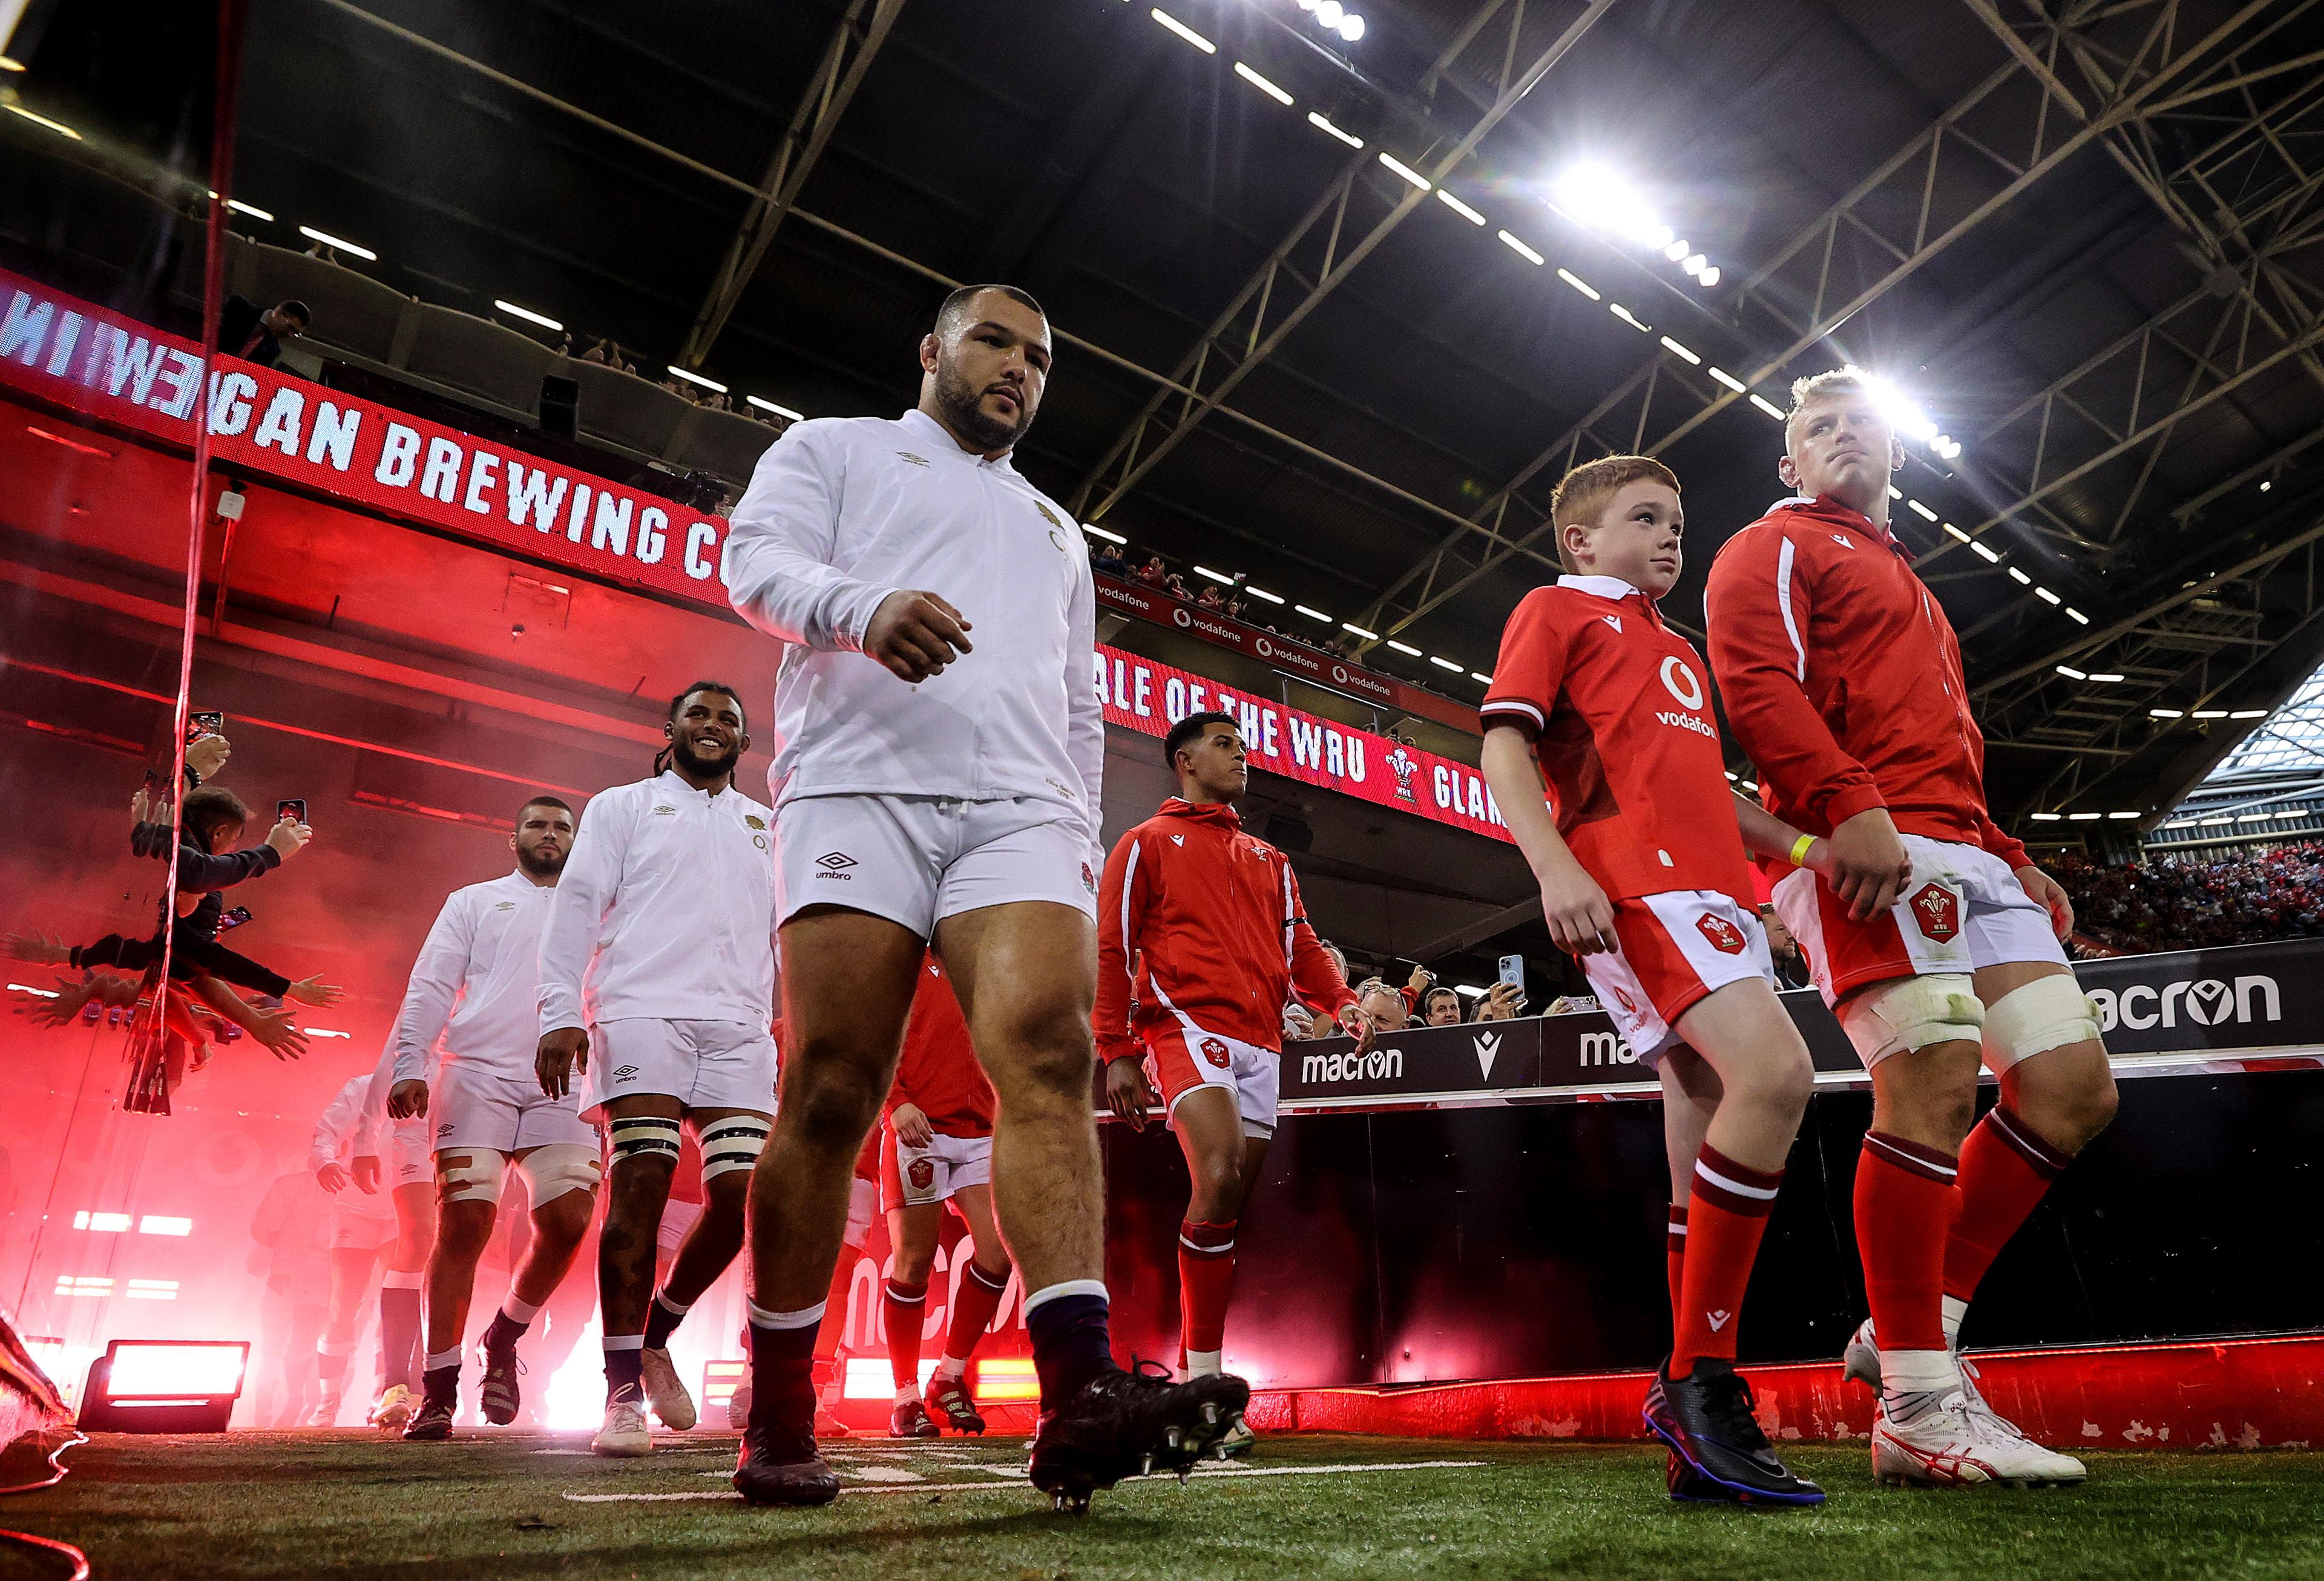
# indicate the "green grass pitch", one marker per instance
pixel 521 1506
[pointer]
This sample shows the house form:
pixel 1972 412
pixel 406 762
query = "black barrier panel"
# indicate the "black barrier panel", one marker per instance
pixel 2248 996
pixel 1528 1238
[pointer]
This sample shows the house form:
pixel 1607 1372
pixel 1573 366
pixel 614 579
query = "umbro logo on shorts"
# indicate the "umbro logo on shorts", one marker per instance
pixel 835 860
pixel 625 1073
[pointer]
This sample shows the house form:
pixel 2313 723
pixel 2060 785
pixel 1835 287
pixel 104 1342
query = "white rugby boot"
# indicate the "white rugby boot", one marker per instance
pixel 2010 1456
pixel 665 1391
pixel 624 1433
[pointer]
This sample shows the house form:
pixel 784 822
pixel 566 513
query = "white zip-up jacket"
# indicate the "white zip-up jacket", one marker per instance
pixel 666 910
pixel 338 1131
pixel 475 995
pixel 844 511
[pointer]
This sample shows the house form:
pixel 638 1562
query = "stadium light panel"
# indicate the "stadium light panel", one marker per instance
pixel 2082 817
pixel 2249 714
pixel 1329 14
pixel 1726 378
pixel 1481 677
pixel 1358 630
pixel 1441 662
pixel 1672 345
pixel 157 1224
pixel 2166 713
pixel 1597 195
pixel 1954 532
pixel 1626 316
pixel 1694 263
pixel 1749 785
pixel 1405 648
pixel 697 379
pixel 2020 577
pixel 1098 532
pixel 1352 27
pixel 1320 125
pixel 786 413
pixel 2211 713
pixel 1184 31
pixel 2254 817
pixel 2292 813
pixel 2206 823
pixel 1405 171
pixel 2070 673
pixel 1895 492
pixel 528 315
pixel 2105 675
pixel 1985 551
pixel 344 246
pixel 1007 1377
pixel 2045 817
pixel 2077 616
pixel 102 1223
pixel 1260 83
pixel 1902 412
pixel 1470 989
pixel 1769 407
pixel 1677 250
pixel 2122 814
pixel 152 1289
pixel 1708 278
pixel 1917 509
pixel 1273 598
pixel 1313 614
pixel 7 64
pixel 59 127
pixel 1445 195
pixel 2047 597
pixel 1578 284
pixel 1219 577
pixel 237 205
pixel 1524 251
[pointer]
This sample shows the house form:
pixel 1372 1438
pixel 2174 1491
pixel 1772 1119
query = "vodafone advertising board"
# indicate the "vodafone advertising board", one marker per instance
pixel 267 422
pixel 1283 653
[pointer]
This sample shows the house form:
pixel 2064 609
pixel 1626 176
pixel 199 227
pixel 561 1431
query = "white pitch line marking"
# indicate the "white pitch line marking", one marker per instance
pixel 962 1487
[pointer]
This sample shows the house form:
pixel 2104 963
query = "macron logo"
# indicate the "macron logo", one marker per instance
pixel 1177 840
pixel 1489 1048
pixel 1613 621
pixel 1718 1320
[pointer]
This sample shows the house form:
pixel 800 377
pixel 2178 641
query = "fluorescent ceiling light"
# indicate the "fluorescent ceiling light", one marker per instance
pixel 2045 817
pixel 2046 596
pixel 1985 551
pixel 2249 714
pixel 1465 989
pixel 1917 509
pixel 2254 817
pixel 1098 532
pixel 1459 207
pixel 1273 598
pixel 2079 618
pixel 1358 630
pixel 1260 83
pixel 2083 817
pixel 1184 31
pixel 697 379
pixel 2071 672
pixel 2122 814
pixel 1895 492
pixel 1214 575
pixel 6 64
pixel 1708 278
pixel 1578 283
pixel 1481 677
pixel 1405 171
pixel 2211 713
pixel 1406 649
pixel 2020 577
pixel 1626 316
pixel 1670 344
pixel 1313 614
pixel 1443 663
pixel 784 411
pixel 1526 253
pixel 1956 532
pixel 1320 125
pixel 56 126
pixel 252 209
pixel 328 239
pixel 1677 250
pixel 527 314
pixel 2105 675
pixel 1769 407
pixel 1694 263
pixel 1726 378
pixel 2166 713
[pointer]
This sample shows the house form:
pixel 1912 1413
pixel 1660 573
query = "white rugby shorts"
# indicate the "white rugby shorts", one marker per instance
pixel 703 1064
pixel 915 1176
pixel 471 1106
pixel 919 859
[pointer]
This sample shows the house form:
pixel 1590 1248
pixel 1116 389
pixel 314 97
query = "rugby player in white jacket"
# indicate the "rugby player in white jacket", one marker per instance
pixel 475 1001
pixel 929 786
pixel 658 980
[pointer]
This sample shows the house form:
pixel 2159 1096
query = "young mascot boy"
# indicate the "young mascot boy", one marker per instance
pixel 1600 748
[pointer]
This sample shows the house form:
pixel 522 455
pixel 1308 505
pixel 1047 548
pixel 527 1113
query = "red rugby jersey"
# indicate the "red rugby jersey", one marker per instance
pixel 938 1072
pixel 1618 706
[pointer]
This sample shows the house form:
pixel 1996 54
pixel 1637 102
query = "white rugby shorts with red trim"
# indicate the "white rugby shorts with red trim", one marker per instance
pixel 1185 1058
pixel 912 1177
pixel 1962 909
pixel 1675 949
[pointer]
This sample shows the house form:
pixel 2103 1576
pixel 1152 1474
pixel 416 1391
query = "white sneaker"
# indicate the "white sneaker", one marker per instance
pixel 624 1432
pixel 326 1413
pixel 2031 1464
pixel 396 1407
pixel 664 1389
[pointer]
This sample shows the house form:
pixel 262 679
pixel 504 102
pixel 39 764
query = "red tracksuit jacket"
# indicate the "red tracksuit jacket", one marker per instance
pixel 1842 678
pixel 1197 915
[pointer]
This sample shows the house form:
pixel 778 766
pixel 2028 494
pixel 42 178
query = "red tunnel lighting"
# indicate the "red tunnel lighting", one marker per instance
pixel 163 1386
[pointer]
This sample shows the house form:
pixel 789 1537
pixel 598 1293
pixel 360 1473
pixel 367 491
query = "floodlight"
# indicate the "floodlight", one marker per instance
pixel 1007 1378
pixel 1352 27
pixel 1330 12
pixel 163 1386
pixel 1708 278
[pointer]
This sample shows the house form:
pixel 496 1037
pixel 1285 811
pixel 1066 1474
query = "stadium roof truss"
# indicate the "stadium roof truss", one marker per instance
pixel 2144 65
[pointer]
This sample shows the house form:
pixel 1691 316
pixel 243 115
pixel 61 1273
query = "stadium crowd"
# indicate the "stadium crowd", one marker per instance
pixel 2187 904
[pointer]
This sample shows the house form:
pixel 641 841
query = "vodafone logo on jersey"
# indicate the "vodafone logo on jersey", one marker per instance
pixel 1680 681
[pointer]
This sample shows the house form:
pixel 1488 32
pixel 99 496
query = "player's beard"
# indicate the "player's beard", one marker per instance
pixel 701 767
pixel 541 864
pixel 965 414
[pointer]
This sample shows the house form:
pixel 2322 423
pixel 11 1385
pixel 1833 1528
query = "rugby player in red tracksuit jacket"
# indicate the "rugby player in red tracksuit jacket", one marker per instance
pixel 1932 934
pixel 1600 748
pixel 937 1147
pixel 1202 940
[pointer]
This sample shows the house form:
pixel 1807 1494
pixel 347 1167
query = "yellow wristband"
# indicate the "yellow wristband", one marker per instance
pixel 1800 849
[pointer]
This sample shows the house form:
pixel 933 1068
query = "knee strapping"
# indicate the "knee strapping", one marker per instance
pixel 472 1177
pixel 557 1168
pixel 644 1136
pixel 2048 1013
pixel 733 1144
pixel 1907 1014
pixel 863 1202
